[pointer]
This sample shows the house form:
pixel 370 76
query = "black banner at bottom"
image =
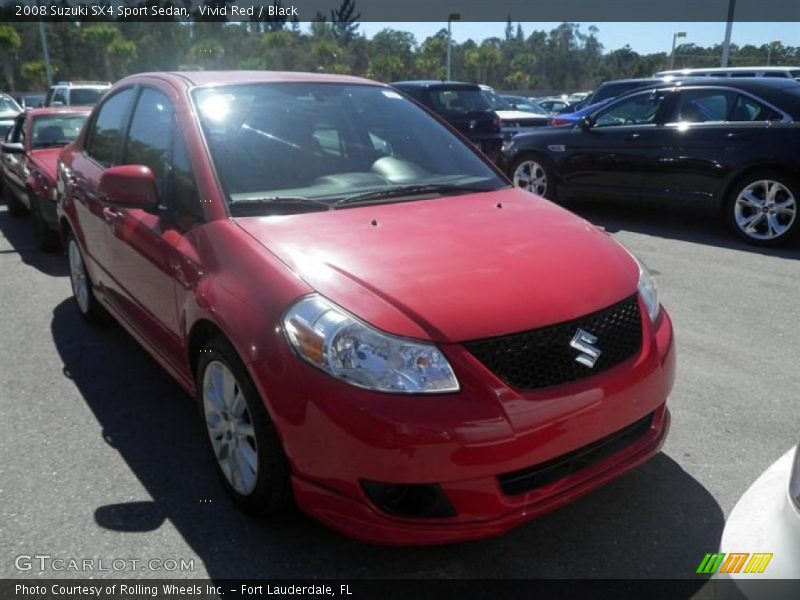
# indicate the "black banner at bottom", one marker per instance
pixel 407 589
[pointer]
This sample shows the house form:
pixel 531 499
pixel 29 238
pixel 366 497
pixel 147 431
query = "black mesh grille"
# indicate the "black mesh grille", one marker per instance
pixel 543 474
pixel 543 357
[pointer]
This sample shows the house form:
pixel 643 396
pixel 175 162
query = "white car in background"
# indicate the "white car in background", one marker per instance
pixel 513 121
pixel 766 520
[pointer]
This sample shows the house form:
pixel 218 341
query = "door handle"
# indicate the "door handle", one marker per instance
pixel 633 136
pixel 111 215
pixel 733 135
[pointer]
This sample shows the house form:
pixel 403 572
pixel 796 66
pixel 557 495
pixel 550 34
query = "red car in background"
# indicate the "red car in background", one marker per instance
pixel 29 157
pixel 372 319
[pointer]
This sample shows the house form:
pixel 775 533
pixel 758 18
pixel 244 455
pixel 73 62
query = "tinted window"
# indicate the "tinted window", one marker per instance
pixel 85 96
pixel 702 106
pixel 458 101
pixel 640 109
pixel 51 131
pixel 106 134
pixel 748 109
pixel 327 141
pixel 150 133
pixel 776 74
pixel 60 95
pixel 182 196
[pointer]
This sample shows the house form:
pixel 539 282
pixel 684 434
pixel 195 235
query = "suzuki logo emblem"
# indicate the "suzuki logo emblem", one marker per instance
pixel 472 124
pixel 583 342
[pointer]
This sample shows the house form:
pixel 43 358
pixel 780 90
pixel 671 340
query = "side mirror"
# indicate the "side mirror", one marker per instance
pixel 12 148
pixel 586 122
pixel 129 186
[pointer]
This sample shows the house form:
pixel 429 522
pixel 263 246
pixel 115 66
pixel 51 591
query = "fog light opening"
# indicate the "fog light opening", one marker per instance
pixel 409 500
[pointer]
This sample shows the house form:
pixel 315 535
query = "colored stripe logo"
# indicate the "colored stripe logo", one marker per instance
pixel 734 562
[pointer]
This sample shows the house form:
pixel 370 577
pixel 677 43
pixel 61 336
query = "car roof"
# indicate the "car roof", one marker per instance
pixel 59 110
pixel 431 83
pixel 203 78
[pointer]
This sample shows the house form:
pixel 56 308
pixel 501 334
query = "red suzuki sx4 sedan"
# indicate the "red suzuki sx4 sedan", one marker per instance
pixel 374 321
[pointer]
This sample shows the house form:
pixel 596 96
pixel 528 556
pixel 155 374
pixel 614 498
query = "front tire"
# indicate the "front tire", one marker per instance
pixel 533 173
pixel 762 208
pixel 247 452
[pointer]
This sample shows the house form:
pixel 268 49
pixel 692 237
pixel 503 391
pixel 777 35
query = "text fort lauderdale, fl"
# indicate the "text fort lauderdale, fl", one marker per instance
pixel 139 589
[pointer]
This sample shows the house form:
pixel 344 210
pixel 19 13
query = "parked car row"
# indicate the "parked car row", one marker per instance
pixel 366 311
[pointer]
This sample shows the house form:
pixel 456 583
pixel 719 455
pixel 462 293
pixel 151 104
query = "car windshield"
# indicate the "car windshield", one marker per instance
pixel 497 102
pixel 85 96
pixel 526 105
pixel 52 131
pixel 295 147
pixel 7 105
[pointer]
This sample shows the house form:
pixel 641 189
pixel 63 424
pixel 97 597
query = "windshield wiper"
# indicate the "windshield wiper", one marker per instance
pixel 249 204
pixel 409 190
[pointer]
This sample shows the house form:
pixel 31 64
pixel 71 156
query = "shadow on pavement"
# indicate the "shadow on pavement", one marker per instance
pixel 655 522
pixel 670 223
pixel 19 233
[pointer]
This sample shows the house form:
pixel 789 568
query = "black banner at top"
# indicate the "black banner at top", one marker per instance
pixel 405 10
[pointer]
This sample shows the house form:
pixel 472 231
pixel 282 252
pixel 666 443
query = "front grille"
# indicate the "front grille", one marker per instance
pixel 530 478
pixel 541 358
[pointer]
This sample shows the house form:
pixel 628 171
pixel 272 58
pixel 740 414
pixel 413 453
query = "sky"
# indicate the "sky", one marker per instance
pixel 644 38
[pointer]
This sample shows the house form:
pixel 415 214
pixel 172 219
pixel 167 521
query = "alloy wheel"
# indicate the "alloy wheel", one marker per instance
pixel 230 427
pixel 531 176
pixel 77 274
pixel 765 210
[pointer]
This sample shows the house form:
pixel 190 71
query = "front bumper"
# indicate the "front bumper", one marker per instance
pixel 765 520
pixel 337 436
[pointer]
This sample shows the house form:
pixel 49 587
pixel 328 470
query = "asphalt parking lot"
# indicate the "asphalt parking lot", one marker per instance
pixel 103 456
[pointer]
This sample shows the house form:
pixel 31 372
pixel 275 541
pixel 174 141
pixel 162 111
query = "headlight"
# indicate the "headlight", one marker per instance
pixel 648 290
pixel 343 346
pixel 794 480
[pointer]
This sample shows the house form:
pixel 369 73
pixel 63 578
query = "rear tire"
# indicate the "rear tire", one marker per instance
pixel 762 208
pixel 15 207
pixel 82 288
pixel 47 240
pixel 245 447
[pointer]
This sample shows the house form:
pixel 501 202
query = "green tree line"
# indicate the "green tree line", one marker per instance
pixel 566 58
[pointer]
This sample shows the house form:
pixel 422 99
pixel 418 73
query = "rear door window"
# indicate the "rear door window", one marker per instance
pixel 749 109
pixel 704 106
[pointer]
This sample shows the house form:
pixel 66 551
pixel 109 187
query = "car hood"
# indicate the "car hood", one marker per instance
pixel 46 160
pixel 455 268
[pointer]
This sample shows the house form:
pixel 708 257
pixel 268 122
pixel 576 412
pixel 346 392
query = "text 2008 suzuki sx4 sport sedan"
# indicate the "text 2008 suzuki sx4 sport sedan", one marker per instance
pixel 373 320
